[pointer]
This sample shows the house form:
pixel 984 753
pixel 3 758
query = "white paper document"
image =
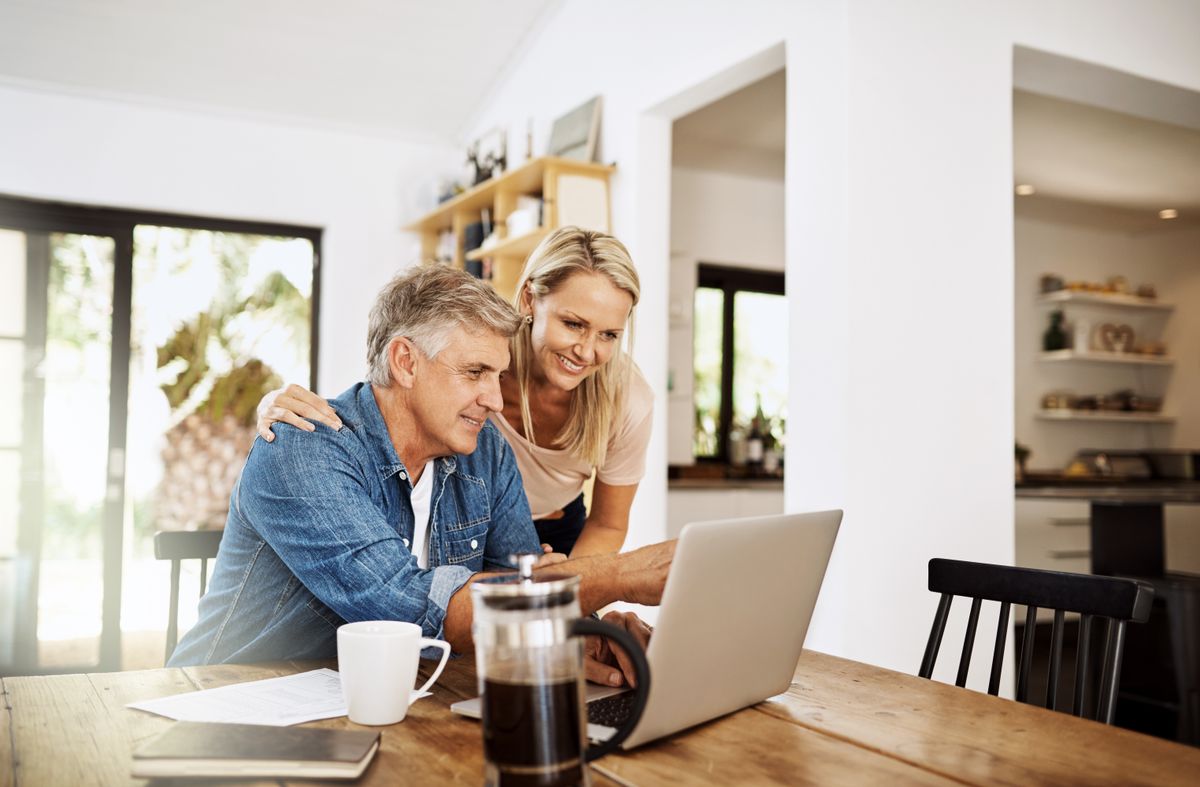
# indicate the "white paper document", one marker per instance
pixel 278 702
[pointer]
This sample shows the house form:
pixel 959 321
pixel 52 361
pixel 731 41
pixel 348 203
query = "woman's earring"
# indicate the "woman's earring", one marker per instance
pixel 529 319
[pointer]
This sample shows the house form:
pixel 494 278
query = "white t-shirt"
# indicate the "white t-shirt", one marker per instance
pixel 422 493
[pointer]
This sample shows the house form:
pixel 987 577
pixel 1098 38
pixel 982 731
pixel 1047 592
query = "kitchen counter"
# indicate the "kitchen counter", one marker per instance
pixel 775 484
pixel 1112 492
pixel 1127 535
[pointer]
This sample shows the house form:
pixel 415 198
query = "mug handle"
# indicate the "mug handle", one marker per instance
pixel 586 626
pixel 445 648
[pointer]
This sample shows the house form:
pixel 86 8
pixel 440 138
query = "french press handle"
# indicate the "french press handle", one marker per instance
pixel 585 626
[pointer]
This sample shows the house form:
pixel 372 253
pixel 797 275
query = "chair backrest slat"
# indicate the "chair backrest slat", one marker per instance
pixel 1082 593
pixel 998 653
pixel 964 662
pixel 1083 650
pixel 1056 646
pixel 1114 600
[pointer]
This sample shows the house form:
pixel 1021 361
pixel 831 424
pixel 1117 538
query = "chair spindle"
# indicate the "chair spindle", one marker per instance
pixel 1082 653
pixel 1111 675
pixel 1026 654
pixel 1056 646
pixel 998 653
pixel 964 663
pixel 935 635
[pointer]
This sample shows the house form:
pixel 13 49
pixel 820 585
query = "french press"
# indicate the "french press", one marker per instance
pixel 529 657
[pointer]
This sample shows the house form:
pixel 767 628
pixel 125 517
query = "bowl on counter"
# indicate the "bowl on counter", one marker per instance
pixel 1175 464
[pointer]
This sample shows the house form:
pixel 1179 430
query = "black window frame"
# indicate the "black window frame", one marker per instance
pixel 731 280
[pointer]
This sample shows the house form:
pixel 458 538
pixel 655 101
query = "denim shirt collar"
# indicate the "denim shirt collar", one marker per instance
pixel 369 424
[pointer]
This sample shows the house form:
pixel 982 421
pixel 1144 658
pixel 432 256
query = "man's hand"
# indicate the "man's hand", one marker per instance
pixel 549 558
pixel 608 664
pixel 292 405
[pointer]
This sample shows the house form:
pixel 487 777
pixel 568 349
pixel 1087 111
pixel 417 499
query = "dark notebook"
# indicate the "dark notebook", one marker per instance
pixel 240 750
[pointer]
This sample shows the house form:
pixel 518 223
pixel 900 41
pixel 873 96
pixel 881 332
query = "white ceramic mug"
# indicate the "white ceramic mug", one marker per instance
pixel 377 661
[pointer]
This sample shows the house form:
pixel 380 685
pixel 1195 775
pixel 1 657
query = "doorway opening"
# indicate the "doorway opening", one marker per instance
pixel 727 332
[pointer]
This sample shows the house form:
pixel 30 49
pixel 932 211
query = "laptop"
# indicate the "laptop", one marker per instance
pixel 734 614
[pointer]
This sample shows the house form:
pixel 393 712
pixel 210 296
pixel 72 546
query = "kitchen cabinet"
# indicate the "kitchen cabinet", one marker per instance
pixel 1053 535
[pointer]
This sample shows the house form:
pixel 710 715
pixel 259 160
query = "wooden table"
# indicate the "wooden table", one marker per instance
pixel 841 722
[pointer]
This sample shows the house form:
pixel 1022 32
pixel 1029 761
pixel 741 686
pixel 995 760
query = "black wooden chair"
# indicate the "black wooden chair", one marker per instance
pixel 177 546
pixel 1113 600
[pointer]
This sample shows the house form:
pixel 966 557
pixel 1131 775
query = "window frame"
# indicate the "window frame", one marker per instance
pixel 731 280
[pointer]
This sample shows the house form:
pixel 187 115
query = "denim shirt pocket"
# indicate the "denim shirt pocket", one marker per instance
pixel 465 542
pixel 464 512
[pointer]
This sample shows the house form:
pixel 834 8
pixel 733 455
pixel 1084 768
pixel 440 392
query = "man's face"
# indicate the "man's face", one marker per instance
pixel 454 393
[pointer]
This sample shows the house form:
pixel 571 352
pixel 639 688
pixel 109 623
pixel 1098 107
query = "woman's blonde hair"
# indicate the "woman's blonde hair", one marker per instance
pixel 598 400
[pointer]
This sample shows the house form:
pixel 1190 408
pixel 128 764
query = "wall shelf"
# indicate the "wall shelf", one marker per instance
pixel 1104 416
pixel 519 246
pixel 499 196
pixel 1060 297
pixel 1100 356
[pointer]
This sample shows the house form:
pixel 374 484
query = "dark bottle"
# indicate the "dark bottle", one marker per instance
pixel 756 440
pixel 1055 338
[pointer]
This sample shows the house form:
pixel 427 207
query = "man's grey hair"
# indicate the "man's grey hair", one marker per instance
pixel 425 305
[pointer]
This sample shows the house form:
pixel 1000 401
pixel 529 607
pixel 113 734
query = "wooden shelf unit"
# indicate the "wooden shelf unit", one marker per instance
pixel 537 177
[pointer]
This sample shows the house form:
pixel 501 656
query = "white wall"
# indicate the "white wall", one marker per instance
pixel 899 250
pixel 722 219
pixel 357 188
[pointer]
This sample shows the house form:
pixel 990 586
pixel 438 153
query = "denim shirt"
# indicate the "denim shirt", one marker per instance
pixel 319 530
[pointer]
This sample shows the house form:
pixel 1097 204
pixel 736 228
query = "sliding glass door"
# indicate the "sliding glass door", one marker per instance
pixel 184 321
pixel 60 457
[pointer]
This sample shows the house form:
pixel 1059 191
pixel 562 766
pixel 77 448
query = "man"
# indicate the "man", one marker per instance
pixel 394 514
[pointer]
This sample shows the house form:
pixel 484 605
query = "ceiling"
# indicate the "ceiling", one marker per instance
pixel 741 134
pixel 1124 165
pixel 420 70
pixel 406 68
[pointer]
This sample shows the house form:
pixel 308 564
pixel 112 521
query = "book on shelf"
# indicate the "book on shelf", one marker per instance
pixel 199 749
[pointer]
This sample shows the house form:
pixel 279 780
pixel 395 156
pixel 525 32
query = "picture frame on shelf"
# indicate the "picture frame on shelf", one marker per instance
pixel 488 155
pixel 574 135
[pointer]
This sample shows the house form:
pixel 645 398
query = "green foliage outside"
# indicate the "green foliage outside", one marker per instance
pixel 218 337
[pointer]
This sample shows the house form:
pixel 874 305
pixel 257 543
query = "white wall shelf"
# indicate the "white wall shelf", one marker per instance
pixel 1104 299
pixel 1101 356
pixel 1105 416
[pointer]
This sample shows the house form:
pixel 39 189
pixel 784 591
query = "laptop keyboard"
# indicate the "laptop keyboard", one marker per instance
pixel 612 711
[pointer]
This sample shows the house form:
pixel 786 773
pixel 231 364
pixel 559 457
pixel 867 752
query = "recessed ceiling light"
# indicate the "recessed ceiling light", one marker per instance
pixel 1024 189
pixel 1168 213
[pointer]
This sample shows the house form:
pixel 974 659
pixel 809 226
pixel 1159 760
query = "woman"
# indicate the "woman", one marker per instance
pixel 574 401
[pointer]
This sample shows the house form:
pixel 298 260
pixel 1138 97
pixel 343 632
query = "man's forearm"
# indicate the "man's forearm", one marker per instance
pixel 636 576
pixel 598 587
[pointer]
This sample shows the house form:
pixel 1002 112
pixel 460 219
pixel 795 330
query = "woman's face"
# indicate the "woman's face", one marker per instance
pixel 577 328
